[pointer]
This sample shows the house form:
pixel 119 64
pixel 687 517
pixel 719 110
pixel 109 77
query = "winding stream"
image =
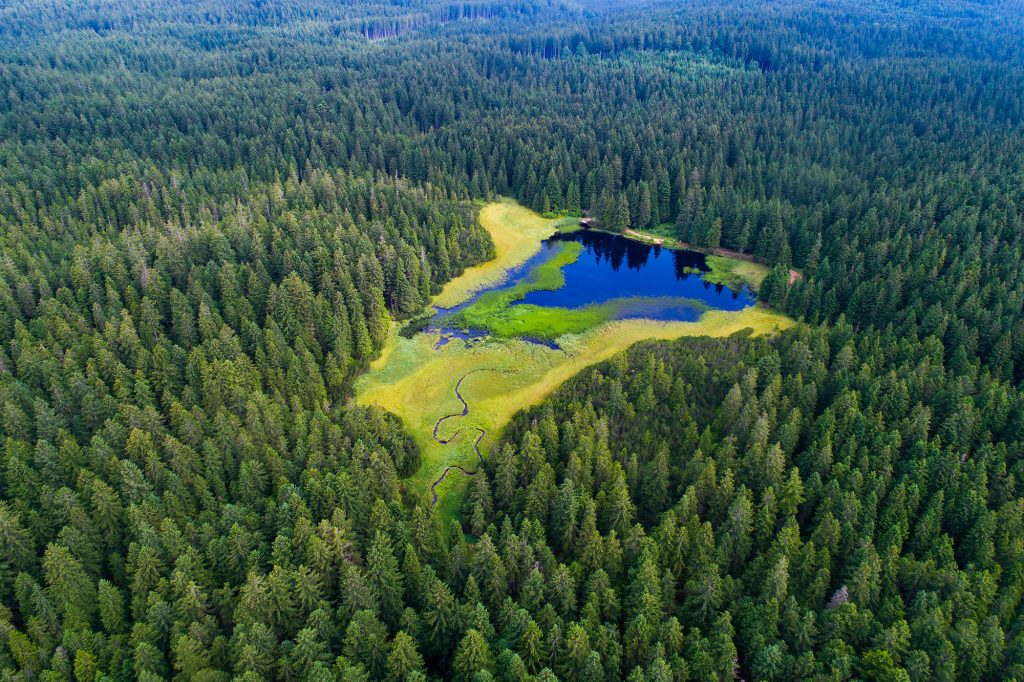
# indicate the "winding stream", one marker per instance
pixel 644 280
pixel 445 441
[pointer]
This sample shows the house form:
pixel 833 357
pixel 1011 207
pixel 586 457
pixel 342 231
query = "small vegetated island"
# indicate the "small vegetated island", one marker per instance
pixel 555 299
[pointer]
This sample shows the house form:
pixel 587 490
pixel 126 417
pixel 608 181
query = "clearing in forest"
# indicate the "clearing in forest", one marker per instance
pixel 455 397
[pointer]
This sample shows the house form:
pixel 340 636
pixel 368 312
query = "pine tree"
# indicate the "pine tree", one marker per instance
pixel 553 192
pixel 774 286
pixel 573 205
pixel 620 220
pixel 404 661
pixel 743 240
pixel 642 217
pixel 472 656
pixel 366 643
pixel 714 234
pixel 531 647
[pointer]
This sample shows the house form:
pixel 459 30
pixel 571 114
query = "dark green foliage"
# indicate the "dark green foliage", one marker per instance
pixel 775 285
pixel 211 212
pixel 823 494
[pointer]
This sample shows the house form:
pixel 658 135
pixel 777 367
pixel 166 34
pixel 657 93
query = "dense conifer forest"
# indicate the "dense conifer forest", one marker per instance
pixel 211 213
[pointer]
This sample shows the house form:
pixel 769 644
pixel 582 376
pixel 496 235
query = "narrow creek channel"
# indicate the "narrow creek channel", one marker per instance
pixel 646 281
pixel 445 441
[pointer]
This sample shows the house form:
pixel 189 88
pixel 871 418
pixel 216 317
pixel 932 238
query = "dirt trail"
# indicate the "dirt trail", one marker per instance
pixel 658 241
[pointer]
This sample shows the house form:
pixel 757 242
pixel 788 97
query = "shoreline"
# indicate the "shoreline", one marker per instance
pixel 731 269
pixel 419 381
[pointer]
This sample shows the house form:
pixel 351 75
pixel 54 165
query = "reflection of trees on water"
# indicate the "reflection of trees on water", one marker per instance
pixel 644 269
pixel 614 250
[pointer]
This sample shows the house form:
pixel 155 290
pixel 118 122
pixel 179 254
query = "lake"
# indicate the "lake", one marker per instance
pixel 615 267
pixel 612 277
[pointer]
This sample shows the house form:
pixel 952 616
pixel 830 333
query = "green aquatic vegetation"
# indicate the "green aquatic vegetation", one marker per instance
pixel 548 275
pixel 498 313
pixel 495 312
pixel 539 322
pixel 550 323
pixel 639 306
pixel 735 272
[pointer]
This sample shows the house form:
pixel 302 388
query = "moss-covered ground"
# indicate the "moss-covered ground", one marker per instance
pixel 735 272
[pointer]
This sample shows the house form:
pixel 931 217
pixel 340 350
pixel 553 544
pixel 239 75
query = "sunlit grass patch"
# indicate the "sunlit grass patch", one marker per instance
pixel 735 272
pixel 517 233
pixel 540 322
pixel 568 224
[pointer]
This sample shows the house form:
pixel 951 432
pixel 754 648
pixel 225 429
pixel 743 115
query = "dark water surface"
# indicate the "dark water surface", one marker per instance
pixel 614 267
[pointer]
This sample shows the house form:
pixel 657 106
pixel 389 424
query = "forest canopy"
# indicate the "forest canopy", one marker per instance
pixel 212 213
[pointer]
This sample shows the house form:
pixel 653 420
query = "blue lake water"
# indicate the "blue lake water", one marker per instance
pixel 645 280
pixel 613 267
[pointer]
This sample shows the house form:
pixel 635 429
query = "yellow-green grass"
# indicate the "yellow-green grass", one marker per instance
pixel 417 383
pixel 735 272
pixel 517 233
pixel 568 223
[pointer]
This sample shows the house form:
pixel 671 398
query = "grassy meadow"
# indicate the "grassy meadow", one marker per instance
pixel 735 272
pixel 417 382
pixel 517 233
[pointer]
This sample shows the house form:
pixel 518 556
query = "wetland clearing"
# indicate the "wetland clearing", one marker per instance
pixel 510 331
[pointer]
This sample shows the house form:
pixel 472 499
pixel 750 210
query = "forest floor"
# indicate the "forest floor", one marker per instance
pixel 501 376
